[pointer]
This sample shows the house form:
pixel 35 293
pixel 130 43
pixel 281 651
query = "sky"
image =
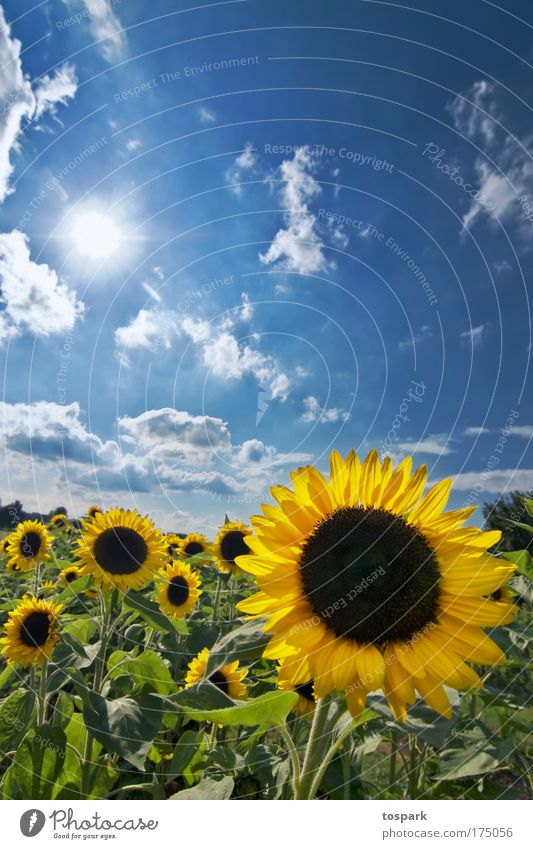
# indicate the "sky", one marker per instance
pixel 236 235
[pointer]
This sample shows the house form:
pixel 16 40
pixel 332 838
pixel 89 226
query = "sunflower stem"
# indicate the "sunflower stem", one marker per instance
pixel 217 598
pixel 328 757
pixel 41 713
pixel 313 752
pixel 393 757
pixel 107 603
pixel 295 760
pixel 413 772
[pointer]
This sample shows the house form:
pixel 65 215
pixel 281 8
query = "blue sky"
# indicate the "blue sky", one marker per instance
pixel 238 235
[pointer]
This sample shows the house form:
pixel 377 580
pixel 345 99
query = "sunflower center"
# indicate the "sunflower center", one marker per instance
pixel 70 576
pixel 120 550
pixel 30 544
pixel 306 690
pixel 193 548
pixel 178 591
pixel 35 629
pixel 370 577
pixel 219 680
pixel 233 545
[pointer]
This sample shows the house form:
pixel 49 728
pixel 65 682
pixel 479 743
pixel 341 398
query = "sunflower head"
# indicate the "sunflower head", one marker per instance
pixel 29 544
pixel 178 590
pixel 194 544
pixel 31 631
pixel 59 521
pixel 288 674
pixel 93 511
pixel 70 574
pixel 120 549
pixel 370 585
pixel 229 544
pixel 172 546
pixel 4 545
pixel 228 678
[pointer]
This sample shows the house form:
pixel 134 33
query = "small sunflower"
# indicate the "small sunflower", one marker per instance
pixel 228 678
pixel 178 590
pixel 289 672
pixel 48 587
pixel 31 631
pixel 173 545
pixel 230 544
pixel 194 544
pixel 70 573
pixel 59 521
pixel 93 511
pixel 121 549
pixel 4 545
pixel 29 545
pixel 371 585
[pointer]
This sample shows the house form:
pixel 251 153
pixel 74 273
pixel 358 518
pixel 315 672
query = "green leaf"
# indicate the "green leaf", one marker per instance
pixel 7 674
pixel 74 589
pixel 245 644
pixel 201 696
pixel 151 614
pixel 523 561
pixel 126 727
pixel 16 715
pixel 208 788
pixel 37 764
pixel 82 628
pixel 147 668
pixel 477 759
pixel 186 747
pixel 266 711
pixel 528 504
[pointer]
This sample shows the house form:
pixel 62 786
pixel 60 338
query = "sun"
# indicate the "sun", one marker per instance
pixel 95 235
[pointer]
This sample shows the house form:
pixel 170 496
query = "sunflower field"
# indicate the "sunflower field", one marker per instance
pixel 356 641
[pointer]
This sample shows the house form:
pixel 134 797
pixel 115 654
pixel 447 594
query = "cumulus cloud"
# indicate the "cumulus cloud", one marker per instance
pixel 150 329
pixel 31 294
pixel 497 480
pixel 297 246
pixel 20 103
pixel 176 434
pixel 437 444
pixel 315 412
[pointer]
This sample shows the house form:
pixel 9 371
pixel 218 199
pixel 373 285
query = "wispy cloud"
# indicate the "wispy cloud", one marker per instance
pixel 474 335
pixel 243 164
pixel 104 25
pixel 206 116
pixel 313 411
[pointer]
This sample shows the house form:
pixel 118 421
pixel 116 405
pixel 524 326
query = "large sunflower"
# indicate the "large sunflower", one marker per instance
pixel 194 544
pixel 121 549
pixel 228 678
pixel 31 631
pixel 29 545
pixel 291 671
pixel 370 585
pixel 178 590
pixel 229 544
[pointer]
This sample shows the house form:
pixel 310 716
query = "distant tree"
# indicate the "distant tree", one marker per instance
pixel 500 515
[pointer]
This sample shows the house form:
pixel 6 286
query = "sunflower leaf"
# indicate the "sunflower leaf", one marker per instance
pixel 74 589
pixel 16 714
pixel 245 644
pixel 126 727
pixel 208 788
pixel 523 561
pixel 37 764
pixel 266 711
pixel 148 610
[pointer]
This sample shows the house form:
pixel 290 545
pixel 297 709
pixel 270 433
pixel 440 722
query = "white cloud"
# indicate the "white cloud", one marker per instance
pixel 296 247
pixel 58 88
pixel 314 411
pixel 474 335
pixel 523 431
pixel 424 333
pixel 437 444
pixel 476 431
pixel 19 103
pixel 152 328
pixel 475 118
pixel 230 359
pixel 497 480
pixel 207 116
pixel 133 144
pixel 176 434
pixel 244 162
pixel 104 25
pixel 31 294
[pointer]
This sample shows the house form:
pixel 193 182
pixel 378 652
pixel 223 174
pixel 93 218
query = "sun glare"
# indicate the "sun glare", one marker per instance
pixel 95 235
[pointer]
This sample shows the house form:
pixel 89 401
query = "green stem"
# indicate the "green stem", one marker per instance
pixel 313 752
pixel 412 774
pixel 99 667
pixel 41 712
pixel 326 760
pixel 393 760
pixel 295 760
pixel 217 598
